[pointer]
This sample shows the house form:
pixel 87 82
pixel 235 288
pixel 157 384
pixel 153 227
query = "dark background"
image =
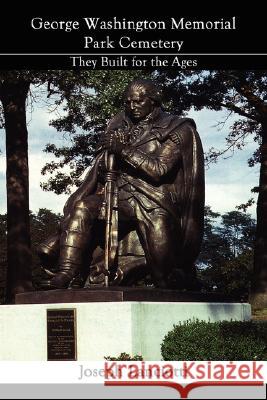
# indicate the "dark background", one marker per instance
pixel 17 36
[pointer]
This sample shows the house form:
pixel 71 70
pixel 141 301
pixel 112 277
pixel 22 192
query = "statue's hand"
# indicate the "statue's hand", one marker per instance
pixel 114 141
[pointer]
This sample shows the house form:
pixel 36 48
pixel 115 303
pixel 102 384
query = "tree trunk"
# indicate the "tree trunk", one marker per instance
pixel 13 96
pixel 258 296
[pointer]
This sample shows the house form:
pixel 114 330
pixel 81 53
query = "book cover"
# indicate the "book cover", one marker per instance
pixel 63 79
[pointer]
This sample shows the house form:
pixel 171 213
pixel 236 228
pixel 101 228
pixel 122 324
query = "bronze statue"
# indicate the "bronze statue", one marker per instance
pixel 142 201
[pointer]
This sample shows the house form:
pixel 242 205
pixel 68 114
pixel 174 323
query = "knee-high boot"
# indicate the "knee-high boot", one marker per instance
pixel 73 241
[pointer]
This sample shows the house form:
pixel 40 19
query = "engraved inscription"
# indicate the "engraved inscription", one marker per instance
pixel 61 335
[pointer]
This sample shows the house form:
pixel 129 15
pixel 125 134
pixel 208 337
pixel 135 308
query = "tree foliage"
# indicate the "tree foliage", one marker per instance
pixel 89 99
pixel 242 93
pixel 226 259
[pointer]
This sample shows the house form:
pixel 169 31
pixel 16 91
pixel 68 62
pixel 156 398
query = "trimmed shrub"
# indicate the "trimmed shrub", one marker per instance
pixel 212 341
pixel 124 357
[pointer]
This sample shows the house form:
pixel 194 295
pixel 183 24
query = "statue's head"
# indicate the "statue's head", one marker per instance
pixel 141 97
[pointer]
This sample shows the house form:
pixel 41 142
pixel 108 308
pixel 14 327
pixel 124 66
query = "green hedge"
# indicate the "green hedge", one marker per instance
pixel 124 357
pixel 200 340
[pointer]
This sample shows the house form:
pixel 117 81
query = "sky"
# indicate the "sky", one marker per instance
pixel 228 183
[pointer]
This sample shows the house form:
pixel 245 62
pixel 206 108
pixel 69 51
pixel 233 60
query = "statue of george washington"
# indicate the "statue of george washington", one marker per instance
pixel 149 168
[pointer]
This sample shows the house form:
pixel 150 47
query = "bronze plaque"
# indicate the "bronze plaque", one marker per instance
pixel 61 335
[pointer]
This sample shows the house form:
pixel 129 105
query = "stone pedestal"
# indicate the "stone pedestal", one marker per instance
pixel 105 328
pixel 120 293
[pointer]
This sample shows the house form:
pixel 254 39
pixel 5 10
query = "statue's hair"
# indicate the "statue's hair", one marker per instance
pixel 146 86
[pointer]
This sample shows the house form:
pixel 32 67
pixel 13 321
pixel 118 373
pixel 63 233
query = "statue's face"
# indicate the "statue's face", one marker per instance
pixel 138 105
